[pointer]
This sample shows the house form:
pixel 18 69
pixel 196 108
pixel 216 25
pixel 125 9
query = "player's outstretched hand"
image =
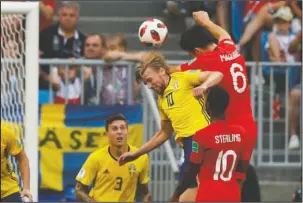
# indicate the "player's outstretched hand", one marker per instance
pixel 199 91
pixel 127 157
pixel 113 55
pixel 26 195
pixel 201 17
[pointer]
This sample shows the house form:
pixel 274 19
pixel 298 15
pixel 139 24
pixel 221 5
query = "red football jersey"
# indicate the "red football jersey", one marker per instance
pixel 220 148
pixel 226 59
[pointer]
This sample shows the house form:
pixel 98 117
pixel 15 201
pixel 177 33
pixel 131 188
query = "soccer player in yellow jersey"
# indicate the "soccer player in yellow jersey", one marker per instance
pixel 180 110
pixel 11 145
pixel 112 182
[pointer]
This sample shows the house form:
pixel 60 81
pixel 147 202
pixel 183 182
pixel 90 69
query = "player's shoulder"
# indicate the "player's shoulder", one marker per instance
pixel 226 46
pixel 6 131
pixel 100 152
pixel 180 75
pixel 237 128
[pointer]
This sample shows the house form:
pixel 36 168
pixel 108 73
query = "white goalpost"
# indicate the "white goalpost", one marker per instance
pixel 19 76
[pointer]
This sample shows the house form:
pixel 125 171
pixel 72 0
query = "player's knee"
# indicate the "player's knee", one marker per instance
pixel 189 195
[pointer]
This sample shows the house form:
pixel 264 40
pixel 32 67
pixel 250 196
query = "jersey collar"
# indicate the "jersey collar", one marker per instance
pixel 113 155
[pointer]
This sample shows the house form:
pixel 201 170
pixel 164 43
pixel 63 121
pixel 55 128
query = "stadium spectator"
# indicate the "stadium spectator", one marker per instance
pixel 218 10
pixel 66 85
pixel 114 88
pixel 47 10
pixel 94 48
pixel 62 38
pixel 222 15
pixel 117 46
pixel 257 15
pixel 277 47
pixel 279 40
pixel 294 97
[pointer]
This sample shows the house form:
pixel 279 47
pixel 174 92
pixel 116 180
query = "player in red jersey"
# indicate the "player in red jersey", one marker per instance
pixel 214 50
pixel 218 154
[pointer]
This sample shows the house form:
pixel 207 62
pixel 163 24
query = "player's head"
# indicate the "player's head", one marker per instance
pixel 217 102
pixel 197 40
pixel 153 71
pixel 116 130
pixel 68 15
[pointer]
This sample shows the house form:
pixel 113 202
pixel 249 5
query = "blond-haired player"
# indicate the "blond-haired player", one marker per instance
pixel 112 182
pixel 180 110
pixel 11 145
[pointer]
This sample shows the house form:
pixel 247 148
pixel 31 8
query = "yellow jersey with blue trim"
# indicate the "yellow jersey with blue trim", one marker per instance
pixel 113 182
pixel 177 104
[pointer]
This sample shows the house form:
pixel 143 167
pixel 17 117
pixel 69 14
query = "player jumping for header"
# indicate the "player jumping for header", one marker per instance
pixel 179 110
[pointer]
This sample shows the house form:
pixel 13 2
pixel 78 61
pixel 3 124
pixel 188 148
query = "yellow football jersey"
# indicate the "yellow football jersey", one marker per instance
pixel 112 182
pixel 177 104
pixel 10 145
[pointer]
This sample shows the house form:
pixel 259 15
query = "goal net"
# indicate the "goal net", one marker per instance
pixel 19 78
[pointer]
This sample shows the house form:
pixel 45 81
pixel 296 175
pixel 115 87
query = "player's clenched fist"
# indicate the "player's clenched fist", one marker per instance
pixel 201 17
pixel 199 91
pixel 127 157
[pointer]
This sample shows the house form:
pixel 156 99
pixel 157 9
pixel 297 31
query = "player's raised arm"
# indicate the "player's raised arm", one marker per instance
pixel 127 56
pixel 208 79
pixel 205 80
pixel 203 19
pixel 81 192
pixel 157 140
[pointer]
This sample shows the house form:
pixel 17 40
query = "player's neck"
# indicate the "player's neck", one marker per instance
pixel 118 151
pixel 211 47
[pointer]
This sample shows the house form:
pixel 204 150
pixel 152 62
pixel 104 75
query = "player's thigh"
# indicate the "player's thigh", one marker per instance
pixel 189 195
pixel 15 197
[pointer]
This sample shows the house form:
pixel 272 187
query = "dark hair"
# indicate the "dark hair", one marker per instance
pixel 196 37
pixel 112 118
pixel 101 37
pixel 217 100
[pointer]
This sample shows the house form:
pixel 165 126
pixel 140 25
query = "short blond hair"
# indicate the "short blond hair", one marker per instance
pixel 152 60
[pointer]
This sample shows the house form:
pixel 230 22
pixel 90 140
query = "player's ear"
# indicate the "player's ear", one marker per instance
pixel 198 52
pixel 162 71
